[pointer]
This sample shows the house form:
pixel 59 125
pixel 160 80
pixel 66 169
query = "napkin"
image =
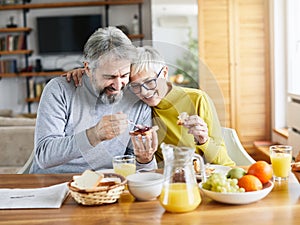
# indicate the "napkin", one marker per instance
pixel 47 197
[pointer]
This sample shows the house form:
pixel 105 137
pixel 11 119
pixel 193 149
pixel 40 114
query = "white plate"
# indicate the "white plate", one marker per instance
pixel 217 169
pixel 106 171
pixel 138 171
pixel 241 197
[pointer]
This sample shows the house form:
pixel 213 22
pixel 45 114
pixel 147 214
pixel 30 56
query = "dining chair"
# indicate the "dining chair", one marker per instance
pixel 235 149
pixel 25 169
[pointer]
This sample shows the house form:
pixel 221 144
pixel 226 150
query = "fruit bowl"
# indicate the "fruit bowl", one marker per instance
pixel 240 197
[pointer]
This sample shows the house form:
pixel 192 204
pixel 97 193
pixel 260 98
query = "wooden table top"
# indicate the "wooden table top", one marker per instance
pixel 281 206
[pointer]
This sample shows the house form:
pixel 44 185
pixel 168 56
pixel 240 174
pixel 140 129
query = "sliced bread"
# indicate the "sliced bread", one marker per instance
pixel 88 180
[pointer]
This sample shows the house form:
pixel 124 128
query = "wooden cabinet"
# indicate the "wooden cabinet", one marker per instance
pixel 234 45
pixel 26 7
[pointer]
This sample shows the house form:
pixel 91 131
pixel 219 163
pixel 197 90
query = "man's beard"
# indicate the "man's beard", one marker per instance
pixel 110 99
pixel 107 99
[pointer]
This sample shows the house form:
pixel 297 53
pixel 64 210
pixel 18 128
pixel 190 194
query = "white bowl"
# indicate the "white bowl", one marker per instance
pixel 241 197
pixel 145 186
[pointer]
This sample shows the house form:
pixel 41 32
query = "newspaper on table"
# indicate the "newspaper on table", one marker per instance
pixel 46 197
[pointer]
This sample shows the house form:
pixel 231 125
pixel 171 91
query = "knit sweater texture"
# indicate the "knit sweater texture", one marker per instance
pixel 65 113
pixel 194 102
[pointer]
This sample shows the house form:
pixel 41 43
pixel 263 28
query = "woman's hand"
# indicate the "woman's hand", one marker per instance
pixel 76 75
pixel 145 146
pixel 197 127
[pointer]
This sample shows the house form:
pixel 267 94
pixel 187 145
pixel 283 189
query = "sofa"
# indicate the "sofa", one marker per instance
pixel 16 142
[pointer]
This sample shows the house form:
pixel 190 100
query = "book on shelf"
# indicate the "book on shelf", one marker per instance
pixel 10 2
pixel 36 86
pixel 12 42
pixel 8 66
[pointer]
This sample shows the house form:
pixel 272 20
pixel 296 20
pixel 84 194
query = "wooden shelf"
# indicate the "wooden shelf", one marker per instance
pixel 135 36
pixel 69 4
pixel 16 29
pixel 16 52
pixel 32 74
pixel 8 75
pixel 41 74
pixel 37 99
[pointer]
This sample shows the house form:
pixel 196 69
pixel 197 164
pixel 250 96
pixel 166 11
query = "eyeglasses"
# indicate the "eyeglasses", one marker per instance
pixel 148 85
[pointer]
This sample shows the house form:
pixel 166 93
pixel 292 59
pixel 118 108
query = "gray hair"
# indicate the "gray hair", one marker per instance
pixel 148 58
pixel 108 43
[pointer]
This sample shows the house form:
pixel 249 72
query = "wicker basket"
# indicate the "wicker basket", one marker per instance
pixel 99 195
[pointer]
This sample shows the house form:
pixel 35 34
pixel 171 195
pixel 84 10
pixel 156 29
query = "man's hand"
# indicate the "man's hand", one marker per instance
pixel 109 127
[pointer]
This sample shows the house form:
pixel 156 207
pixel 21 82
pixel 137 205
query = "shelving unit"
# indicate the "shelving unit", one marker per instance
pixel 25 7
pixel 25 52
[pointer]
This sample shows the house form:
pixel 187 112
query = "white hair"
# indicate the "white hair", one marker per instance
pixel 147 59
pixel 108 43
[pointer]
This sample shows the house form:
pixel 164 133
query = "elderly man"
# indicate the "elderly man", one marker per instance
pixel 83 128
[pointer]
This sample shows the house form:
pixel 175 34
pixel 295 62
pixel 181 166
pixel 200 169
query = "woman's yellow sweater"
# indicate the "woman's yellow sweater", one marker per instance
pixel 194 102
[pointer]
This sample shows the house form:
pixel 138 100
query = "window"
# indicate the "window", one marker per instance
pixel 285 57
pixel 293 46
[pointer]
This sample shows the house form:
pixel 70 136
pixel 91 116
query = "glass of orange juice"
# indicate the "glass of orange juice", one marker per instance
pixel 281 157
pixel 124 165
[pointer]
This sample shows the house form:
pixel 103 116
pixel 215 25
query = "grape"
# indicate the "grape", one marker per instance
pixel 220 183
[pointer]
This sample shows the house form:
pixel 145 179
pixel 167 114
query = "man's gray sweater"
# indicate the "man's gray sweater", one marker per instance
pixel 64 114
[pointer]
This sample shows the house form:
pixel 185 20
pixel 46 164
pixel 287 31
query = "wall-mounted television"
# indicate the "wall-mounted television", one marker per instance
pixel 65 34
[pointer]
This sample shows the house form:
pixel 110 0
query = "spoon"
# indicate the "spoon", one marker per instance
pixel 135 125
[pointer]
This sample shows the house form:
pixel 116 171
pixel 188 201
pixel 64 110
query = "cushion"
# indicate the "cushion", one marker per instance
pixel 16 145
pixel 7 121
pixel 6 112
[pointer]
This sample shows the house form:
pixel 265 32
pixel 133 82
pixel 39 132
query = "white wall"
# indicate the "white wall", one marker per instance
pixel 293 46
pixel 171 22
pixel 13 90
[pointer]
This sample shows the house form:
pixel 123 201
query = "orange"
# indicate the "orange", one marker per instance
pixel 250 183
pixel 262 170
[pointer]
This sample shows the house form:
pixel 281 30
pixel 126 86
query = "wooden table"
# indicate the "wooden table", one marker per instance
pixel 281 206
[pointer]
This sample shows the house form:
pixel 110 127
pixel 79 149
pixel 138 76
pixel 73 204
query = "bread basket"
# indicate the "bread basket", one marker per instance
pixel 99 195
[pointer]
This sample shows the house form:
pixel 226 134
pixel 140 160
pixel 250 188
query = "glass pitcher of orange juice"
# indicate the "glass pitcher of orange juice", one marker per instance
pixel 180 192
